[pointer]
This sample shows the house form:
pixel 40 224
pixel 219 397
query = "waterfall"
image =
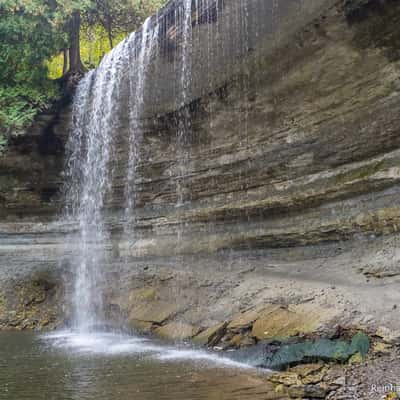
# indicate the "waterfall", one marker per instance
pixel 88 182
pixel 108 100
pixel 137 87
pixel 97 113
pixel 182 105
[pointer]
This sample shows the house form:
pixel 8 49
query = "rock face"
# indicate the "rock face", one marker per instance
pixel 291 175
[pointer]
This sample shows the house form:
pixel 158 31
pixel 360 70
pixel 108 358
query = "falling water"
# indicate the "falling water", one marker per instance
pixel 96 118
pixel 121 81
pixel 90 147
pixel 184 88
pixel 183 99
pixel 137 87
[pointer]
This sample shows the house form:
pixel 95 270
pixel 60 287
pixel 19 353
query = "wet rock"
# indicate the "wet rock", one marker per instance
pixel 31 304
pixel 236 341
pixel 341 381
pixel 142 295
pixel 177 331
pixel 286 378
pixel 277 322
pixel 301 381
pixel 360 343
pixel 381 348
pixel 310 373
pixel 244 320
pixel 242 340
pixel 319 350
pixel 356 359
pixel 391 396
pixel 140 326
pixel 211 336
pixel 302 391
pixel 380 271
pixel 389 336
pixel 157 312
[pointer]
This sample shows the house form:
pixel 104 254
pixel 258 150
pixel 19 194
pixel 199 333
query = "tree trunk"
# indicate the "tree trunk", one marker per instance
pixel 65 63
pixel 75 62
pixel 109 30
pixel 110 38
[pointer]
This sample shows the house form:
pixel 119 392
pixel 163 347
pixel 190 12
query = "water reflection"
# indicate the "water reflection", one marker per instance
pixel 116 367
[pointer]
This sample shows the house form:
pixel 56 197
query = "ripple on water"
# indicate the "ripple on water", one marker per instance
pixel 104 343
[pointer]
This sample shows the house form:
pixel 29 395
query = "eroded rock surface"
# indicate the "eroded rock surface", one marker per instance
pixel 290 191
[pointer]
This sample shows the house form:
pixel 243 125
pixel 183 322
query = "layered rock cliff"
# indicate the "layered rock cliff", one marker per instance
pixel 291 175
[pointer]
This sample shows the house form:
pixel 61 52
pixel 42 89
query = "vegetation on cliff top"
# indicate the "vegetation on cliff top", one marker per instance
pixel 45 39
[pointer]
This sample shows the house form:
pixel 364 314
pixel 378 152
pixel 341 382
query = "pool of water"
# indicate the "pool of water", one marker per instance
pixel 105 366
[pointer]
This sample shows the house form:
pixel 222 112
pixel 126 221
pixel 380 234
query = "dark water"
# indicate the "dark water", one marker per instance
pixel 112 367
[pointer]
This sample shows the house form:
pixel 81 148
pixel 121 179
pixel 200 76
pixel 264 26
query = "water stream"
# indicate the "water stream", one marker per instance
pixel 116 91
pixel 98 107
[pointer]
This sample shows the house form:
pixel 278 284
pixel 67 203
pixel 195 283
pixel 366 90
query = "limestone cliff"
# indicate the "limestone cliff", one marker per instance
pixel 291 181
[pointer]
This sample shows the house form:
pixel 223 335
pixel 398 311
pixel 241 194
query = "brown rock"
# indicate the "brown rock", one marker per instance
pixel 244 320
pixel 285 378
pixel 142 295
pixel 282 323
pixel 212 335
pixel 388 335
pixel 301 391
pixel 236 341
pixel 154 312
pixel 307 369
pixel 177 331
pixel 382 348
pixel 310 373
pixel 141 326
pixel 240 340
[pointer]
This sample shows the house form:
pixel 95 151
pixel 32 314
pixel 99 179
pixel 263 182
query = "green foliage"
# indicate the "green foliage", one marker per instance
pixel 124 16
pixel 33 34
pixel 19 105
pixel 28 39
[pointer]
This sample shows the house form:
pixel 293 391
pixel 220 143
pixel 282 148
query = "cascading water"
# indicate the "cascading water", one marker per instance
pixel 183 99
pixel 137 87
pixel 110 113
pixel 99 113
pixel 88 182
pixel 96 118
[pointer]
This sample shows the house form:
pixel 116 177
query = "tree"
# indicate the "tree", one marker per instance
pixel 67 14
pixel 33 32
pixel 28 38
pixel 120 16
pixel 74 30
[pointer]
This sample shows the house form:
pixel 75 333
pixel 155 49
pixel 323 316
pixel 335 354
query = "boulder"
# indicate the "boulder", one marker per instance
pixel 142 295
pixel 310 373
pixel 140 326
pixel 388 335
pixel 285 378
pixel 240 340
pixel 244 320
pixel 157 312
pixel 212 335
pixel 177 331
pixel 307 391
pixel 279 323
pixel 382 348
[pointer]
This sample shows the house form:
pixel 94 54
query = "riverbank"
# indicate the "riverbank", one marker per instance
pixel 230 301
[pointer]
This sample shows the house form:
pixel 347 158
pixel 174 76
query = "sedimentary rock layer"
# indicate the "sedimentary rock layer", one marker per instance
pixel 291 164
